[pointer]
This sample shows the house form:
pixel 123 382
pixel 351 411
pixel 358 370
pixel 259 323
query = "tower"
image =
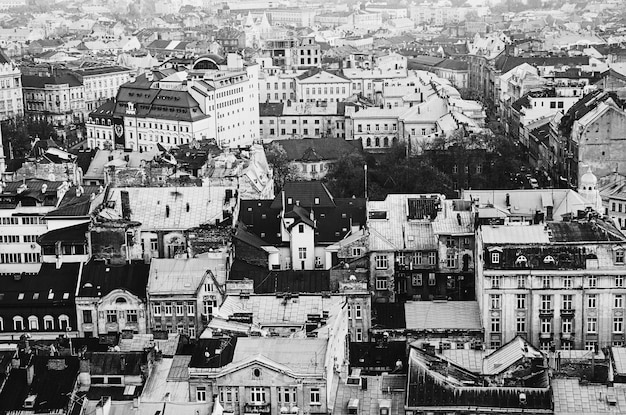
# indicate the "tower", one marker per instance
pixel 588 189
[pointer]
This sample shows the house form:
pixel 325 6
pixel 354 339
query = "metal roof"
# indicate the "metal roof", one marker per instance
pixel 449 315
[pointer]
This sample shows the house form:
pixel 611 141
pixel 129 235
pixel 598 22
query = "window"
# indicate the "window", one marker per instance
pixel 167 309
pixel 382 262
pixel 111 316
pixel 417 258
pixel 131 316
pixel 257 394
pixel 301 253
pixel 591 345
pixel 619 281
pixel 592 324
pixel 156 309
pixel 521 301
pixel 87 318
pixel 432 258
pixel 619 256
pixel 358 335
pixel 180 309
pixel 520 324
pixel 18 323
pixel 566 326
pixel 495 257
pixel 432 281
pixel 48 323
pixel 230 394
pixel 451 260
pixel 593 281
pixel 191 309
pixel 301 228
pixel 495 281
pixel 618 324
pixel 495 301
pixel 381 283
pixel 201 393
pixel 357 252
pixel 416 280
pixel 618 301
pixel 315 396
pixel 567 281
pixel 357 311
pixel 521 281
pixel 567 302
pixel 286 395
pixel 546 302
pixel 545 281
pixel 546 325
pixel 495 324
pixel 591 300
pixel 33 323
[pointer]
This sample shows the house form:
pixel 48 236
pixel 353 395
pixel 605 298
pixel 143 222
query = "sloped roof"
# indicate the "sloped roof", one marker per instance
pixel 180 275
pixel 317 149
pixel 447 315
pixel 98 278
pixel 288 281
pixel 34 81
pixel 71 234
pixel 305 356
pixel 305 193
pixel 509 354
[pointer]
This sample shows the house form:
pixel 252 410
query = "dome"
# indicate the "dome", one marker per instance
pixel 588 181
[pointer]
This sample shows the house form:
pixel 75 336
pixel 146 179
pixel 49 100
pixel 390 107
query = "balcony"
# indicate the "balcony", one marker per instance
pixel 254 408
pixel 546 335
pixel 568 312
pixel 546 312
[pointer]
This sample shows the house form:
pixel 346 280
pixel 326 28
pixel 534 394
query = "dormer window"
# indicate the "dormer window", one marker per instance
pixel 521 261
pixel 619 256
pixel 495 257
pixel 549 259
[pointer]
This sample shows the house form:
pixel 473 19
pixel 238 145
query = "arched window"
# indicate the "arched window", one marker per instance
pixel 18 323
pixel 549 259
pixel 386 141
pixel 120 300
pixel 64 322
pixel 368 142
pixel 33 323
pixel 377 141
pixel 48 323
pixel 521 261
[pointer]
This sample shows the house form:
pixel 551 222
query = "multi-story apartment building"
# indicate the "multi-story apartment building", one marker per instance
pixel 558 284
pixel 11 104
pixel 183 293
pixel 420 247
pixel 289 120
pixel 111 299
pixel 321 85
pixel 277 84
pixel 58 99
pixel 105 130
pixel 101 83
pixel 22 208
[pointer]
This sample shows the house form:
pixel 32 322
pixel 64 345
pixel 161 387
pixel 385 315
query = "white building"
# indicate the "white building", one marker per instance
pixel 102 83
pixel 11 104
pixel 22 209
pixel 320 85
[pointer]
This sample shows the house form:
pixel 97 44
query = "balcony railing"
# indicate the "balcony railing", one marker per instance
pixel 569 312
pixel 546 312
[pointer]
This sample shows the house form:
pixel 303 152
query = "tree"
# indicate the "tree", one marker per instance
pixel 284 170
pixel 19 132
pixel 346 177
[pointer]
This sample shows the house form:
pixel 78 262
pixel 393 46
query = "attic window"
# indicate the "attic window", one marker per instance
pixel 120 300
pixel 35 296
pixel 549 259
pixel 50 295
pixel 316 200
pixel 521 261
pixel 66 296
pixel 20 296
pixel 289 201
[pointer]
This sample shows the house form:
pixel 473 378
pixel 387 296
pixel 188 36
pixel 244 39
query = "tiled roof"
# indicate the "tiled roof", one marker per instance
pixel 291 281
pixel 182 276
pixel 158 103
pixel 71 234
pixel 305 193
pixel 270 309
pixel 447 315
pixel 572 397
pixel 167 208
pixel 74 205
pixel 98 279
pixel 51 286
